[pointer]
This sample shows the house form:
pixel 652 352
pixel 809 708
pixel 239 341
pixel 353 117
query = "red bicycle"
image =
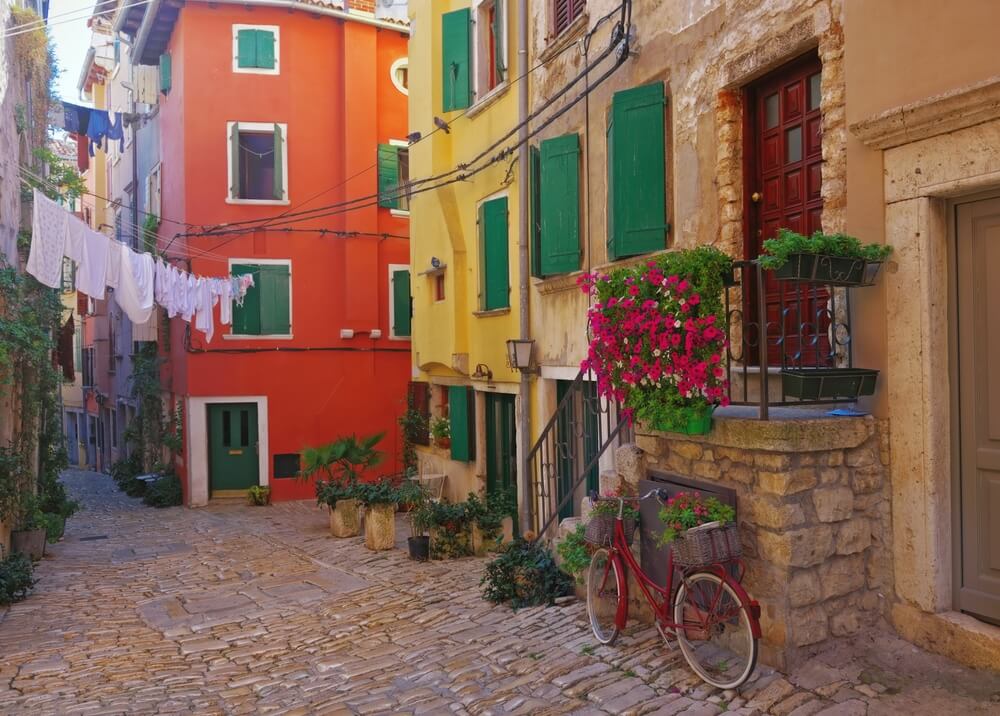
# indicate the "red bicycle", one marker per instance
pixel 714 620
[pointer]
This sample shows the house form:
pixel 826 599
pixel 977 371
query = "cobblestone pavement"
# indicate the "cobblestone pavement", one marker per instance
pixel 238 610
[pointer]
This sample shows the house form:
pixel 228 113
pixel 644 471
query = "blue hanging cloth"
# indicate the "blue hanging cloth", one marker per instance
pixel 97 129
pixel 117 131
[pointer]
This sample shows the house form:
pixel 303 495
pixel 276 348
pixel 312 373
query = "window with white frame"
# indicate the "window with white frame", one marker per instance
pixel 400 74
pixel 394 176
pixel 400 308
pixel 266 310
pixel 256 49
pixel 258 162
pixel 153 192
pixel 490 29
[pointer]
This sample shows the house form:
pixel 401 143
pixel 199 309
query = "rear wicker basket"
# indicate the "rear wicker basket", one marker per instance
pixel 601 529
pixel 698 548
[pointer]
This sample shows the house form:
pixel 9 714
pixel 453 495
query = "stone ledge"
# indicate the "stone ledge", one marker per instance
pixel 789 430
pixel 952 634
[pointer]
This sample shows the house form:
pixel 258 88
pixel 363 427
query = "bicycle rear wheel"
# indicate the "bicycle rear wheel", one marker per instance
pixel 717 637
pixel 605 592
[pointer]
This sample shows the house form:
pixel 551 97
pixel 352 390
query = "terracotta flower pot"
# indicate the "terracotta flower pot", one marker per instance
pixel 344 521
pixel 380 527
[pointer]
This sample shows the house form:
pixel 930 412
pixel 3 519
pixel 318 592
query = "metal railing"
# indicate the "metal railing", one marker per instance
pixel 568 452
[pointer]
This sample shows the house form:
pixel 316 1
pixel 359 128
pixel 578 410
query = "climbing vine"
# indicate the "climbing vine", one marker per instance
pixel 156 431
pixel 35 63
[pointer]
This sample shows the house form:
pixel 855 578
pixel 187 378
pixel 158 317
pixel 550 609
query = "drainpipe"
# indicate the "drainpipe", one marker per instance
pixel 523 172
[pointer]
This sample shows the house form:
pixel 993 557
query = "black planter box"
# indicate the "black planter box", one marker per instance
pixel 831 270
pixel 828 383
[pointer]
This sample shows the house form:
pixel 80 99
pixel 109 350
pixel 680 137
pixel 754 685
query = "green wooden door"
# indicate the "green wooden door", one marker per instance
pixel 501 445
pixel 232 446
pixel 579 441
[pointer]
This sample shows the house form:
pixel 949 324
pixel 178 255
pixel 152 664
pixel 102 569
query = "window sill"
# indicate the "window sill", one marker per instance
pixel 557 283
pixel 246 337
pixel 487 99
pixel 402 213
pixel 555 44
pixel 258 202
pixel 256 71
pixel 492 312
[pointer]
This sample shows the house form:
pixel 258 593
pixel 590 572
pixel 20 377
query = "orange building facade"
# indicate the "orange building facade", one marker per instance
pixel 265 114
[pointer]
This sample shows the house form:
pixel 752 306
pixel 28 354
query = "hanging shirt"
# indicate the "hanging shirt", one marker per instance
pixel 173 290
pixel 92 270
pixel 189 296
pixel 97 128
pixel 226 301
pixel 135 284
pixel 206 301
pixel 160 279
pixel 116 131
pixel 48 239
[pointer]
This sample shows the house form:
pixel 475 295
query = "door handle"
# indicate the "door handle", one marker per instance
pixel 756 197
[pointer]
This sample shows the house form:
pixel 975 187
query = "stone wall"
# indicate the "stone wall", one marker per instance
pixel 813 501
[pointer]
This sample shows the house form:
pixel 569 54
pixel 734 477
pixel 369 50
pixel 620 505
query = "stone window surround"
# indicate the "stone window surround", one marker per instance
pixel 933 156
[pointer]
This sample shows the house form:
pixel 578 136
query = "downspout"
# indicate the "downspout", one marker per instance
pixel 523 171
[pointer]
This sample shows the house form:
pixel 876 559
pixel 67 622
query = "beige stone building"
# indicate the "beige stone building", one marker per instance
pixel 879 119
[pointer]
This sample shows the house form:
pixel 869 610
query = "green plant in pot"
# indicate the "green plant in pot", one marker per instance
pixel 341 462
pixel 836 259
pixel 259 495
pixel 448 523
pixel 421 520
pixel 380 500
pixel 441 432
pixel 29 536
pixel 486 519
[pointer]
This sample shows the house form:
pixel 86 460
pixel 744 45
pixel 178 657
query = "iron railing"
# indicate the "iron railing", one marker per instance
pixel 779 326
pixel 568 452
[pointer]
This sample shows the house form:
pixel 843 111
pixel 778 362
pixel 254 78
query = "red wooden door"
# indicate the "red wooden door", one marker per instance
pixel 785 160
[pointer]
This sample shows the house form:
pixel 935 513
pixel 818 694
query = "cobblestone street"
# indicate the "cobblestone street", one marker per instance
pixel 233 609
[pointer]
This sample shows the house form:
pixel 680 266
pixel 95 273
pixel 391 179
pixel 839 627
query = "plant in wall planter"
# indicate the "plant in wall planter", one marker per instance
pixel 659 341
pixel 836 259
pixel 259 495
pixel 342 462
pixel 380 500
pixel 441 432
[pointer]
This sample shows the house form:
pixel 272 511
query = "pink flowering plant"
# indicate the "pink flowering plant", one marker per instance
pixel 607 505
pixel 657 340
pixel 686 510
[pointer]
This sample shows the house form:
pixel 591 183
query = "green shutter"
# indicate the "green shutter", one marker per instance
pixel 637 168
pixel 246 48
pixel 265 49
pixel 461 418
pixel 535 198
pixel 274 290
pixel 401 303
pixel 388 176
pixel 495 253
pixel 498 45
pixel 279 164
pixel 234 161
pixel 165 73
pixel 246 318
pixel 456 59
pixel 560 204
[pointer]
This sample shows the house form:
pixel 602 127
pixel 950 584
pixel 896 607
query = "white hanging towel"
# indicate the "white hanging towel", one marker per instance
pixel 92 271
pixel 204 320
pixel 226 301
pixel 48 238
pixel 114 264
pixel 76 234
pixel 189 295
pixel 173 291
pixel 135 285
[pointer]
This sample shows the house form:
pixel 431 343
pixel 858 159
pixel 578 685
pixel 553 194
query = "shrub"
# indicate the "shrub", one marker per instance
pixel 526 575
pixel 450 522
pixel 576 552
pixel 54 524
pixel 15 578
pixel 259 495
pixel 787 243
pixel 164 492
pixel 124 472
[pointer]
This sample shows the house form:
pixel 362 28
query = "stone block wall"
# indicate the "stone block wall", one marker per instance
pixel 813 506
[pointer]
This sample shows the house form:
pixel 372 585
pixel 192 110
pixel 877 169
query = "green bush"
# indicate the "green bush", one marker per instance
pixel 124 472
pixel 526 575
pixel 165 492
pixel 54 524
pixel 576 552
pixel 15 578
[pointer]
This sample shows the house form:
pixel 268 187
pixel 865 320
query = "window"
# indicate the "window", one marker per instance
pixel 456 59
pixel 258 163
pixel 418 398
pixel 153 192
pixel 555 206
pixel 266 309
pixel 636 172
pixel 400 310
pixel 113 422
pixel 491 46
pixel 564 12
pixel 394 176
pixel 494 255
pixel 462 421
pixel 439 287
pixel 256 49
pixel 400 75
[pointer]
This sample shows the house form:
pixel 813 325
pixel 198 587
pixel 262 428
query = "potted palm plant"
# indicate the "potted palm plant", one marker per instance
pixel 342 462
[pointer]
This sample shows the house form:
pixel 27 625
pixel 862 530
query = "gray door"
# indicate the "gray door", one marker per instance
pixel 978 284
pixel 72 439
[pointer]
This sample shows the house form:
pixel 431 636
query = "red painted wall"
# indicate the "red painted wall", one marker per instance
pixel 335 94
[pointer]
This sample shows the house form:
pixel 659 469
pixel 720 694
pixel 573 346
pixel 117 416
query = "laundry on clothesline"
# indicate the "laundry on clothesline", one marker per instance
pixel 140 280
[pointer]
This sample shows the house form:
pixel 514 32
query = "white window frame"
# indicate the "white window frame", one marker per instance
pixel 392 304
pixel 396 66
pixel 276 31
pixel 479 80
pixel 265 336
pixel 257 127
pixel 404 213
pixel 154 187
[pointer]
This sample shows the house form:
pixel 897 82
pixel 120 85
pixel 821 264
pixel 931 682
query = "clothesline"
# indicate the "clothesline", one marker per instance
pixel 138 279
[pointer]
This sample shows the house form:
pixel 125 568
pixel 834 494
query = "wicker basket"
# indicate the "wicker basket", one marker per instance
pixel 601 529
pixel 697 548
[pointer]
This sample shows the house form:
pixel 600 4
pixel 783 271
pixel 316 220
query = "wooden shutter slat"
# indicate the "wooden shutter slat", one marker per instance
pixel 246 318
pixel 166 70
pixel 246 48
pixel 535 194
pixel 456 59
pixel 401 303
pixel 234 161
pixel 274 313
pixel 279 164
pixel 637 161
pixel 498 46
pixel 265 49
pixel 560 204
pixel 458 418
pixel 388 176
pixel 496 258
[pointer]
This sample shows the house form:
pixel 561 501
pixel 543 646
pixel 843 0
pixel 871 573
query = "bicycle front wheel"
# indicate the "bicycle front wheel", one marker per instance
pixel 716 637
pixel 605 592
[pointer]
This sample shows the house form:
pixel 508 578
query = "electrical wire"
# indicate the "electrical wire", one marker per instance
pixel 79 14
